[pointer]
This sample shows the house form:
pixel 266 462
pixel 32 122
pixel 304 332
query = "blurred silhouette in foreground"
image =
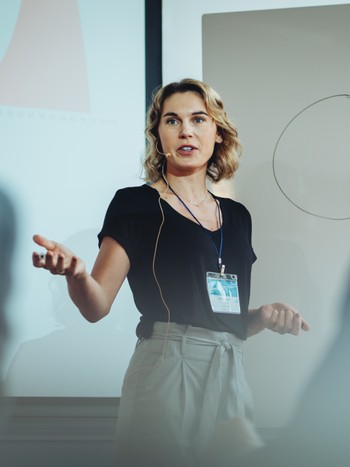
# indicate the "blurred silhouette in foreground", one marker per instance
pixel 7 229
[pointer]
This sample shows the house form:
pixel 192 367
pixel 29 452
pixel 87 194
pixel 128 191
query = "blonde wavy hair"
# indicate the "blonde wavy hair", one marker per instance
pixel 224 161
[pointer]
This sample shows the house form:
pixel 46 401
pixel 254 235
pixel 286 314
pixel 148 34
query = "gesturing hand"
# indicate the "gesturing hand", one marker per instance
pixel 58 258
pixel 278 317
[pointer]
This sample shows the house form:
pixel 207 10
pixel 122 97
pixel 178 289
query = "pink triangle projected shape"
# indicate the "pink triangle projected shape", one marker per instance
pixel 44 66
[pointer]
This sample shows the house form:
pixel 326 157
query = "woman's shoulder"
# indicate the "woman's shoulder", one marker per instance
pixel 135 192
pixel 231 204
pixel 132 197
pixel 235 211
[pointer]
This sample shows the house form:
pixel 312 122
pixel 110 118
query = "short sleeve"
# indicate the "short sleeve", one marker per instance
pixel 120 222
pixel 249 229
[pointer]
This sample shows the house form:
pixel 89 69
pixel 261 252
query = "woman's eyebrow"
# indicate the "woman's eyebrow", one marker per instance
pixel 174 114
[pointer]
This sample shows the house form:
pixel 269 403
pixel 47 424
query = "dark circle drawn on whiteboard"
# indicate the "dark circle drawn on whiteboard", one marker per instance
pixel 318 184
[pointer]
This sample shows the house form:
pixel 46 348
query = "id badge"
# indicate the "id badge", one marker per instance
pixel 223 293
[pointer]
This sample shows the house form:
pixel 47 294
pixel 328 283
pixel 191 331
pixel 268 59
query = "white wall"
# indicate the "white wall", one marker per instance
pixel 71 133
pixel 296 251
pixel 182 33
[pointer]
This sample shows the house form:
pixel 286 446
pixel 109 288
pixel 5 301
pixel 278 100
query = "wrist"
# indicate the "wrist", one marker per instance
pixel 255 324
pixel 78 276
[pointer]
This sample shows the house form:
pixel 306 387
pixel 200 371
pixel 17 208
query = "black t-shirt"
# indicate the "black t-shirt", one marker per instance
pixel 185 253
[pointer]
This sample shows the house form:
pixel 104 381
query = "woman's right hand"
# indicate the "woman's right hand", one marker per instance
pixel 58 259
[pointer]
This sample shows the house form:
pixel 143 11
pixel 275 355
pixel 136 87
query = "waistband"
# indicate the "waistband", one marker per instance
pixel 175 331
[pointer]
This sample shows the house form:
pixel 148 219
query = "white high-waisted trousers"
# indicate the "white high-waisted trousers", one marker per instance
pixel 179 384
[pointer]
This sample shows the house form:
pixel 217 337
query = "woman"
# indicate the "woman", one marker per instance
pixel 188 256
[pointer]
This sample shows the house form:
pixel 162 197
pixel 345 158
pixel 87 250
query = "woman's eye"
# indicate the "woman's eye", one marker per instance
pixel 171 121
pixel 199 119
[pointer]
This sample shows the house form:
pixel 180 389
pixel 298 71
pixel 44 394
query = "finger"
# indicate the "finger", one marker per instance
pixel 305 326
pixel 296 324
pixel 50 262
pixel 44 242
pixel 37 260
pixel 60 266
pixel 291 323
pixel 73 267
pixel 280 322
pixel 268 315
pixel 274 320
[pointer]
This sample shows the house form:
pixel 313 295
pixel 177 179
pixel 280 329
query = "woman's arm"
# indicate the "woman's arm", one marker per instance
pixel 93 293
pixel 277 317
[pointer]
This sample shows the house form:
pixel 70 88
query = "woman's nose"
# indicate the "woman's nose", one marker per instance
pixel 186 130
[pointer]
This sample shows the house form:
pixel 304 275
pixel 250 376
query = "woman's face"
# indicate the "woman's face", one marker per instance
pixel 187 132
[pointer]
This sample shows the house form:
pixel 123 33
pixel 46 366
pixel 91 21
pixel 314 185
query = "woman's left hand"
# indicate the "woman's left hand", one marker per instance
pixel 277 317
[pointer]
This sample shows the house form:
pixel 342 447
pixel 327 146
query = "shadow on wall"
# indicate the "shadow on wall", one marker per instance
pixel 66 362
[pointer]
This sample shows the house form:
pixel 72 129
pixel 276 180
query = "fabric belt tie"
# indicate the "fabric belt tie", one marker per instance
pixel 213 387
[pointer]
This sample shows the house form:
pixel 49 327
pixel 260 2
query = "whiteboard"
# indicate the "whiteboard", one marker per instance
pixel 284 75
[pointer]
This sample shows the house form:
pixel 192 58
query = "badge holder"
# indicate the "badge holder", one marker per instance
pixel 223 292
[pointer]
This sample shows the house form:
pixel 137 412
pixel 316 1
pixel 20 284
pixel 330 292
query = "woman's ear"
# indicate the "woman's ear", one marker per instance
pixel 218 138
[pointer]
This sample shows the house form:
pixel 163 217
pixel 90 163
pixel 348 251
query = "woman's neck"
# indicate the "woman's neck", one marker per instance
pixel 190 188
